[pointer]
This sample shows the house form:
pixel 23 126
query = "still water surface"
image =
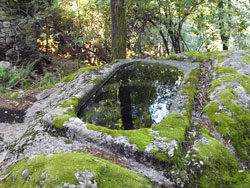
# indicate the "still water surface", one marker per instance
pixel 137 96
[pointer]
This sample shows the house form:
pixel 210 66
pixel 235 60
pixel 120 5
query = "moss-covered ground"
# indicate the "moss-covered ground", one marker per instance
pixel 61 168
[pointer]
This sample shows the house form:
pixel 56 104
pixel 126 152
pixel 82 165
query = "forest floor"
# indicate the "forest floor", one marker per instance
pixel 13 110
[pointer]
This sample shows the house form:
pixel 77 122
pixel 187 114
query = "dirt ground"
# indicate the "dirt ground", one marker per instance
pixel 13 110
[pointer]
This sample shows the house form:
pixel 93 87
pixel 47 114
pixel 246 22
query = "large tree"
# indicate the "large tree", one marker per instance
pixel 119 33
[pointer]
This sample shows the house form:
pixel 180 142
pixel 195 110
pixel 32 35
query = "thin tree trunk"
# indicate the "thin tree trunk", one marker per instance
pixel 223 31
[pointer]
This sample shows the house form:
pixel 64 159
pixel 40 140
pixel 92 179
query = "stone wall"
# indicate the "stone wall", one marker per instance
pixel 18 36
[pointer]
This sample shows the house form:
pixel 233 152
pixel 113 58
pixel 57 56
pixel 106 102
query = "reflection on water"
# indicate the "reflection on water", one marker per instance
pixel 137 96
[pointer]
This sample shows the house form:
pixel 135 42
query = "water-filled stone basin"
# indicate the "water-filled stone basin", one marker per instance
pixel 136 96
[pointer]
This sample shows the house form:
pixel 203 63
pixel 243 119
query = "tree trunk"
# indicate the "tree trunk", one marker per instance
pixel 224 33
pixel 119 33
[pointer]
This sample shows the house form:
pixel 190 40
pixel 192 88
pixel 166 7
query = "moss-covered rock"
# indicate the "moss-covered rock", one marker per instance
pixel 72 76
pixel 228 109
pixel 70 169
pixel 217 166
pixel 246 58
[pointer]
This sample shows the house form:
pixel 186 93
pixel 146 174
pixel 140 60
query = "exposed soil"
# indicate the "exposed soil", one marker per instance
pixel 199 104
pixel 13 110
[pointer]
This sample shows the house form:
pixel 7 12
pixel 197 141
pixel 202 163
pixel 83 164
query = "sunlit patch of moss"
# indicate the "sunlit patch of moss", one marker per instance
pixel 106 174
pixel 59 121
pixel 140 137
pixel 242 79
pixel 224 70
pixel 208 56
pixel 221 58
pixel 191 90
pixel 72 76
pixel 233 126
pixel 170 57
pixel 72 103
pixel 214 84
pixel 174 126
pixel 246 58
pixel 198 57
pixel 228 78
pixel 219 165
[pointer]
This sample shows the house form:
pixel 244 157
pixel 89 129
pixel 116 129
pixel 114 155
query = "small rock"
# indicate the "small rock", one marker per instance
pixel 43 176
pixel 5 64
pixel 24 173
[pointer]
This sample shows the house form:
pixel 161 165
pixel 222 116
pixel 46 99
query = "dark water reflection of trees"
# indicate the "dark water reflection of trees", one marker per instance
pixel 124 101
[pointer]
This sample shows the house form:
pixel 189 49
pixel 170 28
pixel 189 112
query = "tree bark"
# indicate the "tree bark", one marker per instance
pixel 224 34
pixel 119 32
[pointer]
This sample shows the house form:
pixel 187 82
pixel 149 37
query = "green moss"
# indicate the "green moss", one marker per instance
pixel 68 141
pixel 224 70
pixel 14 95
pixel 72 76
pixel 220 167
pixel 97 80
pixel 59 121
pixel 214 84
pixel 162 157
pixel 234 125
pixel 171 57
pixel 208 56
pixel 73 103
pixel 140 137
pixel 199 57
pixel 221 58
pixel 228 78
pixel 106 174
pixel 242 79
pixel 246 58
pixel 191 90
pixel 174 126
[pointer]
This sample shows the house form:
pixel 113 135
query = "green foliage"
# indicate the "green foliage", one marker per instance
pixel 9 77
pixel 61 168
